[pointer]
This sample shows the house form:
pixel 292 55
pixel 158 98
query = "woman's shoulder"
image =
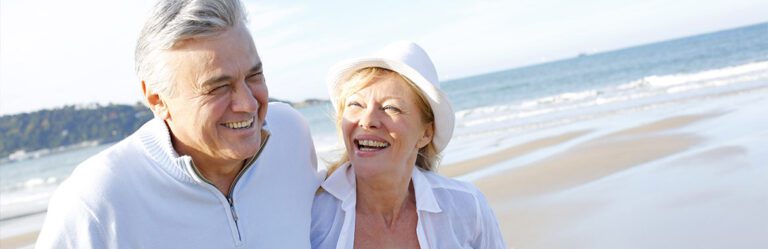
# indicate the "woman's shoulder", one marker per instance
pixel 438 181
pixel 466 213
pixel 453 194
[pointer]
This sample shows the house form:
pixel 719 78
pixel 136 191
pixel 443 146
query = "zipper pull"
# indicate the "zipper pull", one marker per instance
pixel 232 208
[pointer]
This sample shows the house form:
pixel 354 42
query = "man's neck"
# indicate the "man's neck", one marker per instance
pixel 219 172
pixel 221 175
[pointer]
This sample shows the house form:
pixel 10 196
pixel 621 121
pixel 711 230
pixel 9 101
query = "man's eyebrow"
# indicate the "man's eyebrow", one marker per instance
pixel 216 79
pixel 256 68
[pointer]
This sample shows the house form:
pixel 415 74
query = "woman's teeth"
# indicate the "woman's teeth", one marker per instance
pixel 371 145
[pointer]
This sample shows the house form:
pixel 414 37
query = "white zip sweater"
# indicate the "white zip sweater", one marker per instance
pixel 140 194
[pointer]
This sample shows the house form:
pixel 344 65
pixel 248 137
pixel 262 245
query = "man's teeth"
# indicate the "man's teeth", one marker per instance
pixel 371 143
pixel 239 125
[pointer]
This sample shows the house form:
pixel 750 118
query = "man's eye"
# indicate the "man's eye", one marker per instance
pixel 218 89
pixel 255 77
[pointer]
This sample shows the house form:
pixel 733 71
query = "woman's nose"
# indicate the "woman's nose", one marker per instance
pixel 369 118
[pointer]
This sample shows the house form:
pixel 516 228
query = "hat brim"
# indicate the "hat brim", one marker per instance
pixel 441 107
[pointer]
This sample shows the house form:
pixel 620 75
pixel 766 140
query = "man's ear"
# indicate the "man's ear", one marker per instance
pixel 429 133
pixel 155 102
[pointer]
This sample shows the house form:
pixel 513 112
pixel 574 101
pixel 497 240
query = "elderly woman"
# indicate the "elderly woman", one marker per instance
pixel 384 193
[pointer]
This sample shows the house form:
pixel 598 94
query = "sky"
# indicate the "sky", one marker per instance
pixel 77 52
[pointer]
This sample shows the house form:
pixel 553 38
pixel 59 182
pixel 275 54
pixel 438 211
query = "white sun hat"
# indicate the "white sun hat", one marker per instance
pixel 411 61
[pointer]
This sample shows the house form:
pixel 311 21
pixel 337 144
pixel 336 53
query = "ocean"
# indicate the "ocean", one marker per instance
pixel 588 85
pixel 511 101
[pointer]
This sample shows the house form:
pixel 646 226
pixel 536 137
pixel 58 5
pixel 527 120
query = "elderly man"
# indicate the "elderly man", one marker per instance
pixel 214 169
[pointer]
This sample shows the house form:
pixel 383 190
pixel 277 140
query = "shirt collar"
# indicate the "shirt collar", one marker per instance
pixel 341 184
pixel 425 197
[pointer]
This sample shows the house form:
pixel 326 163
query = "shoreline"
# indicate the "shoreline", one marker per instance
pixel 51 151
pixel 24 215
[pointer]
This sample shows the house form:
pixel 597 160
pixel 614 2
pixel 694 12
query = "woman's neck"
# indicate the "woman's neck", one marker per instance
pixel 387 197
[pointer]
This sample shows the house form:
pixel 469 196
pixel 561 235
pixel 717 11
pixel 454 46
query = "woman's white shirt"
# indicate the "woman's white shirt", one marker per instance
pixel 451 213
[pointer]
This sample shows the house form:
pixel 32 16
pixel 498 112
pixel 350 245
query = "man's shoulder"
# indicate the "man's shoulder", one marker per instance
pixel 122 152
pixel 287 126
pixel 105 171
pixel 290 150
pixel 282 116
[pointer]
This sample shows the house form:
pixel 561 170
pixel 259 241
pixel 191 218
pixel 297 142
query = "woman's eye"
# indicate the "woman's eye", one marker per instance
pixel 391 109
pixel 354 104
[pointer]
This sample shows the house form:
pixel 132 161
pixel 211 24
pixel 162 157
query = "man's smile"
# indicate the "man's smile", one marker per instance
pixel 244 124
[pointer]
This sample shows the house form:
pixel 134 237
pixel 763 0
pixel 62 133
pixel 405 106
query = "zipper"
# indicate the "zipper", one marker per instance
pixel 229 197
pixel 232 207
pixel 247 165
pixel 234 216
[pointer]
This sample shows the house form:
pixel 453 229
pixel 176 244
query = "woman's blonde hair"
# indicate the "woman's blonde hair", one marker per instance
pixel 428 157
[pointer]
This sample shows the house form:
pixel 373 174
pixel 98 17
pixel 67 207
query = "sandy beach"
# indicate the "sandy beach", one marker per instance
pixel 684 174
pixel 19 241
pixel 20 232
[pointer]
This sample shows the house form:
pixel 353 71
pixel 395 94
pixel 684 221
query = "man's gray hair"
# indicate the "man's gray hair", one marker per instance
pixel 173 21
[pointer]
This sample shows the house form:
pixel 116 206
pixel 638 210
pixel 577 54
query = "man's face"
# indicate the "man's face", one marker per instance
pixel 220 100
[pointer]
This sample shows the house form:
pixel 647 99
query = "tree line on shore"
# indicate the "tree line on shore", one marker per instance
pixel 68 126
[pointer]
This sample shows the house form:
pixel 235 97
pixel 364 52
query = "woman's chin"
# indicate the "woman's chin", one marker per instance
pixel 368 169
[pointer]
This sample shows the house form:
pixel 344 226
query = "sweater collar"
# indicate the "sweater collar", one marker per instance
pixel 156 139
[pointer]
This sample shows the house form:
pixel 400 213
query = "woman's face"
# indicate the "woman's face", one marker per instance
pixel 383 128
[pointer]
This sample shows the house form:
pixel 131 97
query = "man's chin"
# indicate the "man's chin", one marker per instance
pixel 244 152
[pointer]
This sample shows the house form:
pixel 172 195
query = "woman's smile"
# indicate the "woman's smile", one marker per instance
pixel 369 145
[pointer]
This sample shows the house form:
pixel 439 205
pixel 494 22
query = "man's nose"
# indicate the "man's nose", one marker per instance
pixel 243 99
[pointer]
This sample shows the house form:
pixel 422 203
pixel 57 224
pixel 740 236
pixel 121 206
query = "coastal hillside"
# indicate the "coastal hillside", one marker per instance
pixel 46 130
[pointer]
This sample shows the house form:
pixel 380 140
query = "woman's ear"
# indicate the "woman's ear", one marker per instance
pixel 155 102
pixel 429 133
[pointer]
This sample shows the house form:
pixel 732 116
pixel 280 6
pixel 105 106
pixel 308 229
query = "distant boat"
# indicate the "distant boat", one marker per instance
pixel 582 54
